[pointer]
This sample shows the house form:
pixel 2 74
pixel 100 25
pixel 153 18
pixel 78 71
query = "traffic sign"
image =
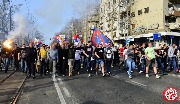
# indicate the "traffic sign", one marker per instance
pixel 171 37
pixel 157 36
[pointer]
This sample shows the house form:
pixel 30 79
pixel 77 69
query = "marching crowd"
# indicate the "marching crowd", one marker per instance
pixel 67 59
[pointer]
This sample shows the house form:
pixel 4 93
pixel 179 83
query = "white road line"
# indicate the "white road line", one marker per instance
pixel 136 83
pixel 64 89
pixel 60 95
pixel 132 82
pixel 116 76
pixel 66 92
pixel 60 81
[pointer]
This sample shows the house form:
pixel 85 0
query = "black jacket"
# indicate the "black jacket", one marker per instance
pixel 71 53
pixel 31 54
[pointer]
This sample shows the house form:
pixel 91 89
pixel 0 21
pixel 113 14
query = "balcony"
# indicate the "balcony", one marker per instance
pixel 174 1
pixel 174 26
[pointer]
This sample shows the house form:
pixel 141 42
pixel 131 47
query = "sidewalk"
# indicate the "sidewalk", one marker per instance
pixel 4 75
pixel 10 87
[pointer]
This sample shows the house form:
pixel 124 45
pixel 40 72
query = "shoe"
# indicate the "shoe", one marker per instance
pixel 63 75
pixel 140 72
pixel 34 77
pixel 131 71
pixel 157 76
pixel 78 73
pixel 112 66
pixel 147 75
pixel 28 76
pixel 104 75
pixel 96 73
pixel 89 75
pixel 130 77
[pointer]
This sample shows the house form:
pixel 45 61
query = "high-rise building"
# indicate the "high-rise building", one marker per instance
pixel 122 19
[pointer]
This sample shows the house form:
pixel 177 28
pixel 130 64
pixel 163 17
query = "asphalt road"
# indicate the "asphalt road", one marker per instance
pixel 79 89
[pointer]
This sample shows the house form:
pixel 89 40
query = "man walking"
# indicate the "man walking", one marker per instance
pixel 151 60
pixel 172 54
pixel 130 60
pixel 71 56
pixel 99 53
pixel 23 58
pixel 16 52
pixel 30 59
pixel 109 58
pixel 53 57
pixel 43 58
pixel 88 51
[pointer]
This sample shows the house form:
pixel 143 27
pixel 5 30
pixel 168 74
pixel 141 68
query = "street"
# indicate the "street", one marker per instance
pixel 80 89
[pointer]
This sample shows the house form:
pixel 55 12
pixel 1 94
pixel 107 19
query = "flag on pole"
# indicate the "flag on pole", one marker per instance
pixel 98 37
pixel 37 42
pixel 61 39
pixel 58 38
pixel 76 39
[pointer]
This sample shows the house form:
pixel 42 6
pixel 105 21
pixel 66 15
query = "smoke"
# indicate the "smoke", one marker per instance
pixel 20 24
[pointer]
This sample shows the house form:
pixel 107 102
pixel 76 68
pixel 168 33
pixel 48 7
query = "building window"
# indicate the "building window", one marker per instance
pixel 101 10
pixel 146 10
pixel 139 12
pixel 133 26
pixel 109 5
pixel 114 1
pixel 133 14
pixel 114 35
pixel 101 27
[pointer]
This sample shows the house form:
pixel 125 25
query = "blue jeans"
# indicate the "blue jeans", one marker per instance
pixel 160 64
pixel 131 66
pixel 173 61
pixel 88 64
pixel 143 64
pixel 23 65
pixel 6 64
pixel 108 62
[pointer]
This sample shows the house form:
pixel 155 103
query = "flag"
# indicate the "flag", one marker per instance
pixel 61 39
pixel 76 39
pixel 58 38
pixel 98 37
pixel 37 42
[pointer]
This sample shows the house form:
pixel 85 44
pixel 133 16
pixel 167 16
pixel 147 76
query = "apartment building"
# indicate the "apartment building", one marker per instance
pixel 140 18
pixel 89 24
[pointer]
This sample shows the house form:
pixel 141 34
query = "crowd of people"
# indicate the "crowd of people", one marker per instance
pixel 68 59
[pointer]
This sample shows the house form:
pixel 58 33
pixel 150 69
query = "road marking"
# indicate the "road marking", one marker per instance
pixel 132 82
pixel 116 76
pixel 66 92
pixel 60 81
pixel 136 83
pixel 64 89
pixel 60 95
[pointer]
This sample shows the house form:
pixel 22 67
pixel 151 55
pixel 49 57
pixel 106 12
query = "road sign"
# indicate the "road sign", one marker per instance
pixel 157 36
pixel 171 37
